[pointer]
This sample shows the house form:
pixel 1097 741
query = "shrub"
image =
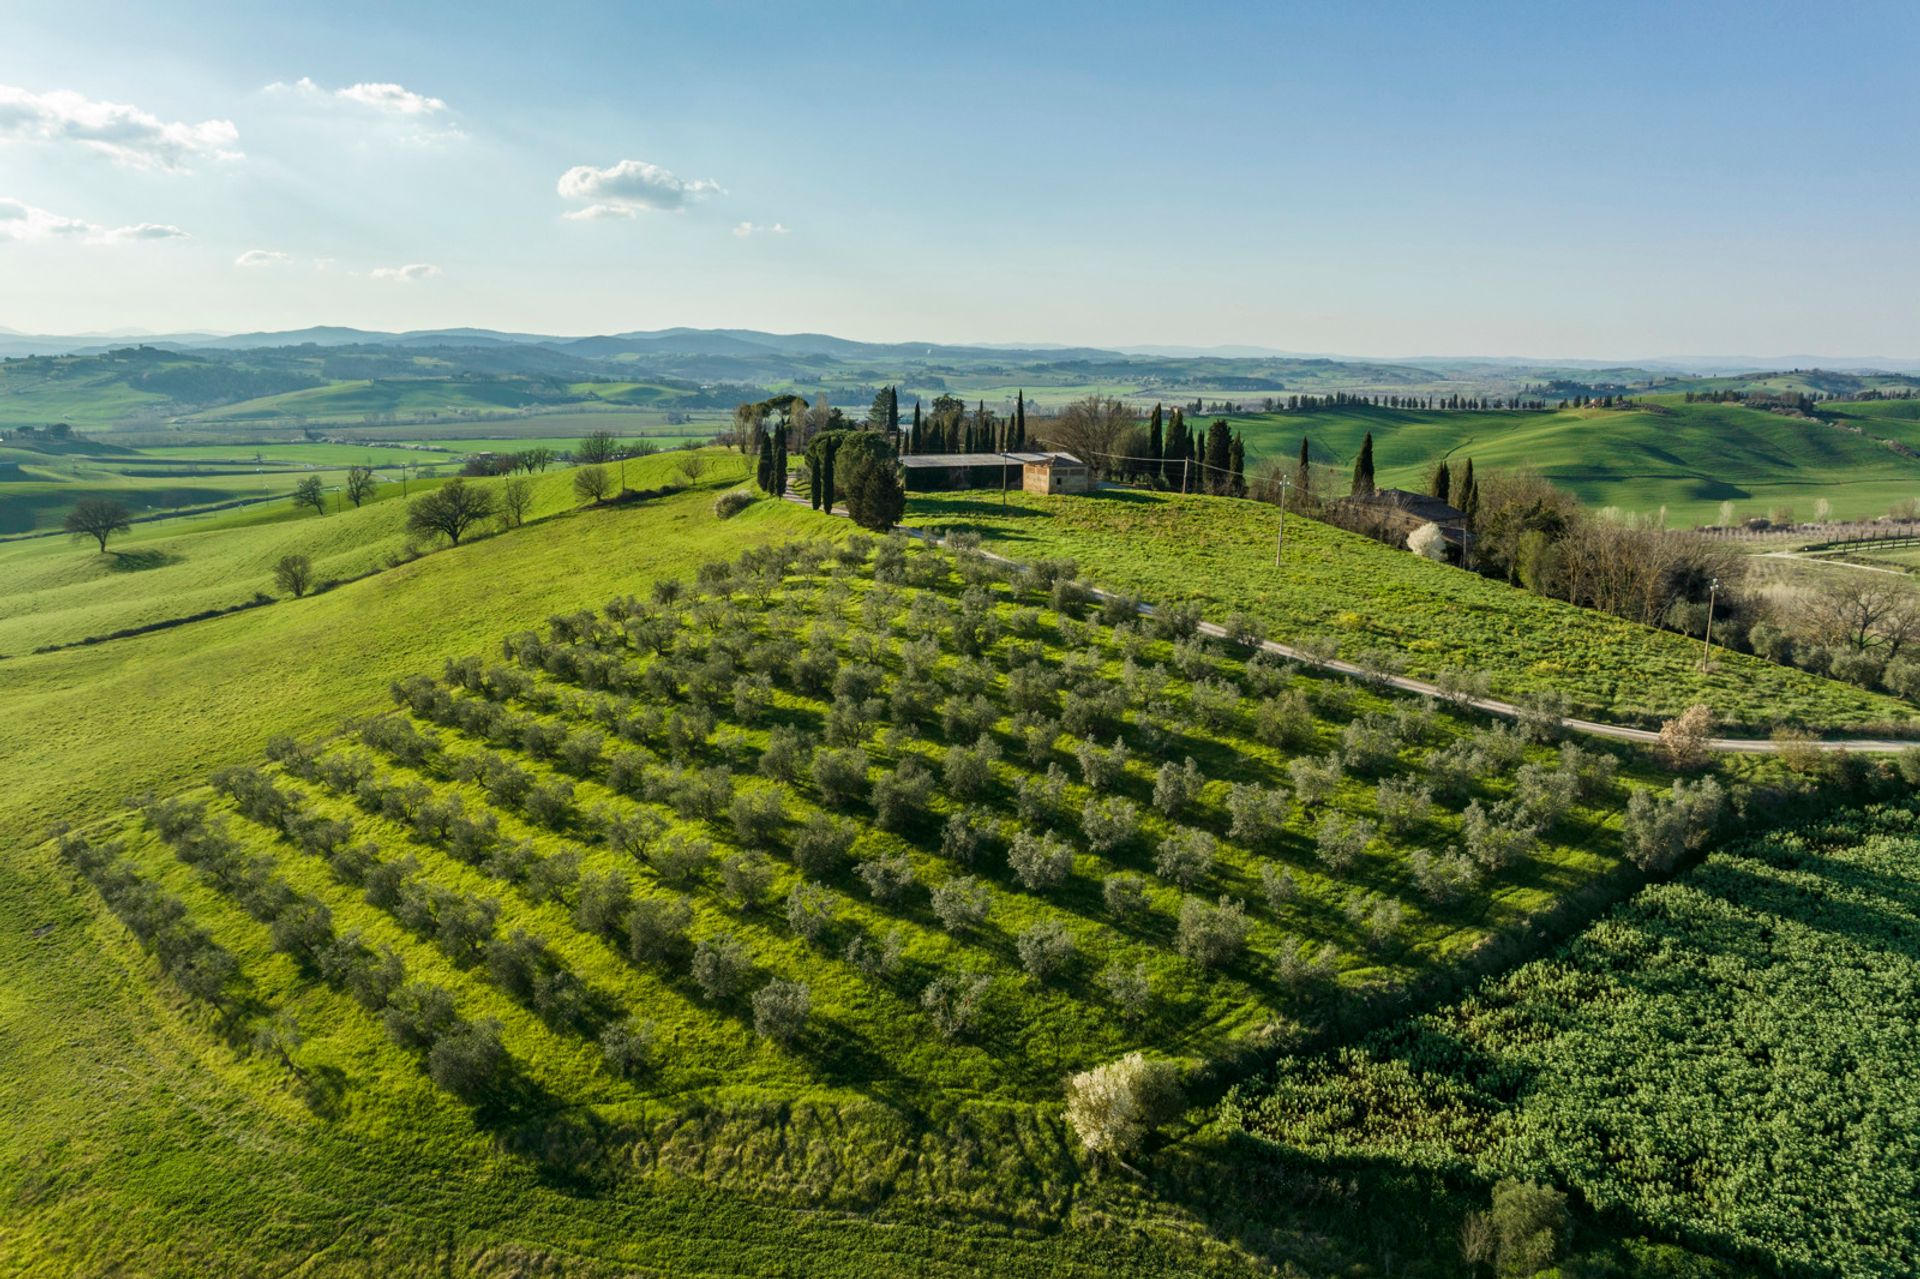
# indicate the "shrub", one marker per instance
pixel 1278 886
pixel 1044 948
pixel 1402 803
pixel 821 845
pixel 468 1060
pixel 1683 741
pixel 1174 788
pixel 1659 830
pixel 678 859
pixel 1114 1108
pixel 1109 824
pixel 747 877
pixel 1524 1233
pixel 780 1010
pixel 961 904
pixel 840 776
pixel 900 797
pixel 1442 878
pixel 887 878
pixel 876 960
pixel 1257 813
pixel 627 1047
pixel 1211 935
pixel 1500 836
pixel 417 1014
pixel 758 815
pixel 657 930
pixel 1101 767
pixel 968 770
pixel 1040 861
pixel 1314 780
pixel 1038 800
pixel 731 503
pixel 954 1001
pixel 1340 840
pixel 1284 722
pixel 1128 988
pixel 720 966
pixel 1125 895
pixel 967 835
pixel 1185 856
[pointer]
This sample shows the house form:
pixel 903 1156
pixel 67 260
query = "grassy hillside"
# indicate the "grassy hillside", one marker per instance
pixel 726 1153
pixel 1217 554
pixel 1724 1058
pixel 1687 458
pixel 352 400
pixel 57 590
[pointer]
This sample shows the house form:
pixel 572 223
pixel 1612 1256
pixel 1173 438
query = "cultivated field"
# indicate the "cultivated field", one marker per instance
pixel 1364 598
pixel 1722 1059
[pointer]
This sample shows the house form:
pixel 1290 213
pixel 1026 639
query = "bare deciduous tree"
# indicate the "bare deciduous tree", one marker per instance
pixel 1090 429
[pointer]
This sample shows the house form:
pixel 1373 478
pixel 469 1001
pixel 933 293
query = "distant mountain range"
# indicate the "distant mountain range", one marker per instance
pixel 752 343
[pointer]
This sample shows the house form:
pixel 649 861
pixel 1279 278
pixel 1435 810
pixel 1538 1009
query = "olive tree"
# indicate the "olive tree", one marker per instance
pixel 1114 1108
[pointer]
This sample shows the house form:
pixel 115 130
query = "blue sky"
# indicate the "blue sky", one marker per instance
pixel 1593 180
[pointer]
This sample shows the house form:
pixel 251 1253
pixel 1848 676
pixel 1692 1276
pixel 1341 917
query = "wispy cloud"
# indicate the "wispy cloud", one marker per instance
pixel 629 187
pixel 22 221
pixel 745 229
pixel 132 137
pixel 147 231
pixel 392 99
pixel 263 257
pixel 406 274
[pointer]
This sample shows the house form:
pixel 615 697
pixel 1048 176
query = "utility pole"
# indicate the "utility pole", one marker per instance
pixel 1003 479
pixel 1706 646
pixel 1280 542
pixel 1186 466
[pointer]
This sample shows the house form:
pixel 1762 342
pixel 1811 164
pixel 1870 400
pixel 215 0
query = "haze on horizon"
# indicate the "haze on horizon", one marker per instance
pixel 1491 179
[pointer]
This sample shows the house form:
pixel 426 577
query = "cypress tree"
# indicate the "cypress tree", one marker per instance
pixel 1443 483
pixel 764 473
pixel 813 482
pixel 893 417
pixel 917 444
pixel 1237 459
pixel 780 466
pixel 1018 435
pixel 1469 492
pixel 1363 468
pixel 1156 448
pixel 1302 475
pixel 1219 457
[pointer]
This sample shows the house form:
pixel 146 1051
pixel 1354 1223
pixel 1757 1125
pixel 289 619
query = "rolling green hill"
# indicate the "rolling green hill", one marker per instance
pixel 1365 598
pixel 1686 458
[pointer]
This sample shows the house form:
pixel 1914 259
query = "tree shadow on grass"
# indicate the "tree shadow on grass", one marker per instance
pixel 140 561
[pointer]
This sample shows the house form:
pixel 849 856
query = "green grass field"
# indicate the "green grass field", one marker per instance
pixel 1217 554
pixel 1685 458
pixel 986 1168
pixel 1722 1059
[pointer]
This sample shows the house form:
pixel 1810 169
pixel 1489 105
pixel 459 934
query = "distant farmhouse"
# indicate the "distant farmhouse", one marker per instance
pixel 1396 513
pixel 1031 472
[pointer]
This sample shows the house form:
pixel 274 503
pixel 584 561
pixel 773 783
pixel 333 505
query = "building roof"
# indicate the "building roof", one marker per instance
pixel 1423 505
pixel 989 459
pixel 958 459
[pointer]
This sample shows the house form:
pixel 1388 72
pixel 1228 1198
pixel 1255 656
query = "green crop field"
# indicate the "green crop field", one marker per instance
pixel 722 1145
pixel 1725 1059
pixel 1684 458
pixel 1217 554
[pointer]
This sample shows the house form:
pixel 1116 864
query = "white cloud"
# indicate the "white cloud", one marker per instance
pixel 393 99
pixel 147 231
pixel 629 187
pixel 406 274
pixel 131 136
pixel 22 221
pixel 263 257
pixel 745 229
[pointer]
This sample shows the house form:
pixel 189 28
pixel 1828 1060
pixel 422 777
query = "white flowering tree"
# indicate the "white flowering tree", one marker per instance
pixel 1113 1108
